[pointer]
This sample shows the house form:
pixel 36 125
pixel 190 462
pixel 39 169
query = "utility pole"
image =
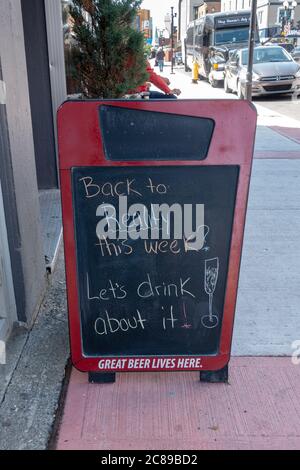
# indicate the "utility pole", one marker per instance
pixel 173 15
pixel 251 44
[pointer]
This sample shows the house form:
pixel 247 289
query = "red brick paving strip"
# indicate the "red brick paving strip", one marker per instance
pixel 260 409
pixel 292 133
pixel 273 154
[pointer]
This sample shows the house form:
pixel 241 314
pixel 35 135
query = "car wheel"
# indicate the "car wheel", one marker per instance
pixel 226 87
pixel 240 93
pixel 214 83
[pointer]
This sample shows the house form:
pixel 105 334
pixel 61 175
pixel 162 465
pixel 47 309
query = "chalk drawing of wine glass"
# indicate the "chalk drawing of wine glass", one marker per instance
pixel 210 282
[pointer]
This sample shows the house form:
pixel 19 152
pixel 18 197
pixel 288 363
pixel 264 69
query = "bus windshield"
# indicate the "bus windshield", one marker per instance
pixel 231 35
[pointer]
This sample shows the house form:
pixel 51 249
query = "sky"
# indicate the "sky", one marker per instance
pixel 159 8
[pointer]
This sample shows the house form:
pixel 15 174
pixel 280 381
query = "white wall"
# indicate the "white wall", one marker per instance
pixel 231 5
pixel 187 10
pixel 12 53
pixel 53 11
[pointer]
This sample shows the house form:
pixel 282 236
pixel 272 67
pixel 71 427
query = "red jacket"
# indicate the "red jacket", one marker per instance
pixel 155 79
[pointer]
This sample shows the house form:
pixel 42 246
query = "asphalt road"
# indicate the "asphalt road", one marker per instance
pixel 283 104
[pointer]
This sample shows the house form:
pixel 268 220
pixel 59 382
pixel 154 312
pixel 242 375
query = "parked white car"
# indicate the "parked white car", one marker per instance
pixel 274 71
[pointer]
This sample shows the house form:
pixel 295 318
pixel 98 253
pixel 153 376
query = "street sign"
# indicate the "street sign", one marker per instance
pixel 154 198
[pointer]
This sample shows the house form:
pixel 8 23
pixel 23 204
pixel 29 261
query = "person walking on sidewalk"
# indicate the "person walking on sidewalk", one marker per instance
pixel 160 56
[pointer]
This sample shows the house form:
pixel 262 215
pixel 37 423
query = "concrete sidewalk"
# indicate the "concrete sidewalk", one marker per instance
pixel 260 408
pixel 277 136
pixel 31 382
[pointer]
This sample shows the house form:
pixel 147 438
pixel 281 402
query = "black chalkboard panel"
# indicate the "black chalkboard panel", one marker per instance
pixel 125 132
pixel 159 296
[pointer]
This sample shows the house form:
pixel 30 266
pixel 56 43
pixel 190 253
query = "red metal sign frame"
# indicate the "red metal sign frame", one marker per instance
pixel 80 144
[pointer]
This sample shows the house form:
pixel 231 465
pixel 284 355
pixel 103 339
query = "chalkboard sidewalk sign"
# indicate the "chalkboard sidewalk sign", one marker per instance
pixel 154 199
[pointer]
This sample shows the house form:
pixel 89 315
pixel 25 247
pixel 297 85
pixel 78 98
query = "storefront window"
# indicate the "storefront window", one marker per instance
pixel 284 15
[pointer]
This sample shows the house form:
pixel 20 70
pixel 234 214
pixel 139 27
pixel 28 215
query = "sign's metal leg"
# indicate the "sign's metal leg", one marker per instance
pixel 102 377
pixel 215 376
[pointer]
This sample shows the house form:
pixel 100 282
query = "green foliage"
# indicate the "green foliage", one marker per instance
pixel 109 57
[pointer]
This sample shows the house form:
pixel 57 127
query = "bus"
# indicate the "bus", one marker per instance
pixel 210 39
